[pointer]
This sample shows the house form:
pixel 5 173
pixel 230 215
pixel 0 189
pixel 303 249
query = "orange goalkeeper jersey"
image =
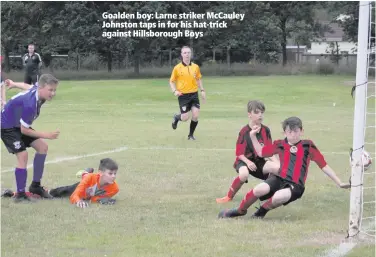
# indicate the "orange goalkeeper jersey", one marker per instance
pixel 89 189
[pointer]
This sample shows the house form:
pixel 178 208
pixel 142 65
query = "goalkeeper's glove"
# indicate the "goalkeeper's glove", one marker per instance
pixel 106 201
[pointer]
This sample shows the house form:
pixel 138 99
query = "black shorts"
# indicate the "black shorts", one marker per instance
pixel 15 141
pixel 186 101
pixel 260 163
pixel 277 183
pixel 31 79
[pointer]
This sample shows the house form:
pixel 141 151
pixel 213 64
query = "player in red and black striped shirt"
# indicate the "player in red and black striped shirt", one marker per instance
pixel 295 156
pixel 247 161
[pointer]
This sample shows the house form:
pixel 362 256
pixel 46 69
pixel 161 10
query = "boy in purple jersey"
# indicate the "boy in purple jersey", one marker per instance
pixel 16 132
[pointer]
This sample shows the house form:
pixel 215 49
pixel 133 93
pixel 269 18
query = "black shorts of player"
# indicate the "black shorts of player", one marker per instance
pixel 15 141
pixel 31 79
pixel 186 101
pixel 277 183
pixel 260 163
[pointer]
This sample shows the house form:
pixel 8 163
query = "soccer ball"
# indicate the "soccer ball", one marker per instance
pixel 366 160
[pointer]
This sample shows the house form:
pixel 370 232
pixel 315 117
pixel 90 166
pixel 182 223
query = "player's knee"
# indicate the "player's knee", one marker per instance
pixel 281 196
pixel 22 159
pixel 261 189
pixel 274 167
pixel 184 117
pixel 42 148
pixel 243 173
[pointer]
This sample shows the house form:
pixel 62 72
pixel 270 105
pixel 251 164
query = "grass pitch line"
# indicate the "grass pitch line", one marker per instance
pixel 346 246
pixel 124 148
pixel 342 250
pixel 116 150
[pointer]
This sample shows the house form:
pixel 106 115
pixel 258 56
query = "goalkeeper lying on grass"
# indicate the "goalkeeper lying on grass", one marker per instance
pixel 93 187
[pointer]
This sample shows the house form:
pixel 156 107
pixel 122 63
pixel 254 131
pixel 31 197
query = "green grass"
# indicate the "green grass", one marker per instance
pixel 168 185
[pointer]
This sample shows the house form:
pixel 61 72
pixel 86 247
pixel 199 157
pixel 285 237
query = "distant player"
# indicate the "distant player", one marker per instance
pixel 247 161
pixel 32 63
pixel 94 187
pixel 295 155
pixel 17 134
pixel 184 82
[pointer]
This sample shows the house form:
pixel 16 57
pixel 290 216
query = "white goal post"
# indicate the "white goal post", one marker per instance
pixel 360 111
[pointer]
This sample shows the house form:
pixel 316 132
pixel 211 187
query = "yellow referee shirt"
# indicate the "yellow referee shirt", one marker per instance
pixel 185 77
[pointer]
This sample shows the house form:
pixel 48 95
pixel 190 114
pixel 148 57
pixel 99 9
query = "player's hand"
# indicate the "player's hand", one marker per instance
pixel 107 201
pixel 177 93
pixel 255 130
pixel 203 95
pixel 252 166
pixel 53 135
pixel 9 84
pixel 3 102
pixel 344 185
pixel 82 204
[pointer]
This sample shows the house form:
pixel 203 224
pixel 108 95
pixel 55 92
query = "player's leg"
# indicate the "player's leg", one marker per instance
pixel 237 183
pixel 27 78
pixel 264 189
pixel 185 108
pixel 64 191
pixel 195 108
pixel 12 139
pixel 284 196
pixel 21 176
pixel 41 149
pixel 34 79
pixel 194 122
pixel 270 168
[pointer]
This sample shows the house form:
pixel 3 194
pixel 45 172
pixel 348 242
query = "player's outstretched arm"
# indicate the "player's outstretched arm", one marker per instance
pixel 332 175
pixel 32 133
pixel 76 196
pixel 20 85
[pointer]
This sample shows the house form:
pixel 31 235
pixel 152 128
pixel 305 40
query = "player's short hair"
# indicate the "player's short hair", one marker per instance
pixel 293 123
pixel 185 47
pixel 253 105
pixel 107 164
pixel 47 79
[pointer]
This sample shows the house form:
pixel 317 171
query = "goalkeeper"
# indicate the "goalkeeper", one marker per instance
pixel 94 187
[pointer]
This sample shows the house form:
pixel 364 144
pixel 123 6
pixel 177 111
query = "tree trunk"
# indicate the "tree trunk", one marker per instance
pixel 228 57
pixel 137 61
pixel 109 61
pixel 283 43
pixel 6 60
pixel 170 57
pixel 213 54
pixel 191 46
pixel 126 60
pixel 298 57
pixel 78 61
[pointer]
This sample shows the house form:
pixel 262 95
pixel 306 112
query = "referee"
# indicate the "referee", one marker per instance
pixel 184 82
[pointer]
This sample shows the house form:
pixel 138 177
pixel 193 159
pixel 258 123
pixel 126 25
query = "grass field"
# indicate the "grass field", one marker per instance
pixel 166 205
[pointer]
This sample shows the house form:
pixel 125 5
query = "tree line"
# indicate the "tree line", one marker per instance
pixel 72 28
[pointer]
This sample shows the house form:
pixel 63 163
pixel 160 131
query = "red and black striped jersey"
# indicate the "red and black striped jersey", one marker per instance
pixel 244 145
pixel 295 159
